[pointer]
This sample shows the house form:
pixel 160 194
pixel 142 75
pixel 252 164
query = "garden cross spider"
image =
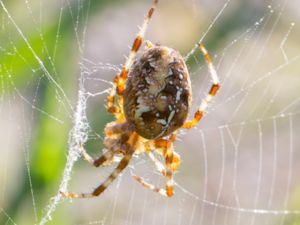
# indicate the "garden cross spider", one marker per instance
pixel 153 101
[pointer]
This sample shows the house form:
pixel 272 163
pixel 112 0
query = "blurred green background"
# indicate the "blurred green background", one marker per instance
pixel 38 99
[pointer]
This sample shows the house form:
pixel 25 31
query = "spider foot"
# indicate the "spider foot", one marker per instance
pixel 74 195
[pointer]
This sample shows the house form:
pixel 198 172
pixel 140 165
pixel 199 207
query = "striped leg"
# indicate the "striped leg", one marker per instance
pixel 97 191
pixel 172 162
pixel 121 166
pixel 169 159
pixel 168 191
pixel 162 145
pixel 120 79
pixel 212 92
pixel 159 166
pixel 114 128
pixel 105 157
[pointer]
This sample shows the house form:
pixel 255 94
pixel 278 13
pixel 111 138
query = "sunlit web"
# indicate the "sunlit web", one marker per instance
pixel 240 164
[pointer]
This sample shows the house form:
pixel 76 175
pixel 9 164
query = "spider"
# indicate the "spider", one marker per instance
pixel 150 99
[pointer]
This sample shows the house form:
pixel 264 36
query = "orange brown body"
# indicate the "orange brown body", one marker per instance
pixel 151 99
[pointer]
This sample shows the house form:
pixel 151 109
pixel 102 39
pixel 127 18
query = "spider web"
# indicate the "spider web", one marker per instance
pixel 241 163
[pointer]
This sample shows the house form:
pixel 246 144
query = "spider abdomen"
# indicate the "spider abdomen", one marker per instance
pixel 157 95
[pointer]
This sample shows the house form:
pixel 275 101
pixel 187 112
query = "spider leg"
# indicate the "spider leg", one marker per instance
pixel 97 191
pixel 159 166
pixel 212 92
pixel 116 128
pixel 161 146
pixel 106 156
pixel 121 166
pixel 168 191
pixel 109 156
pixel 120 79
pixel 171 165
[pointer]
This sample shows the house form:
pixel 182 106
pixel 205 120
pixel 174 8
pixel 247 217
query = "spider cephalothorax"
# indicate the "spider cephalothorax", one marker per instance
pixel 150 100
pixel 157 96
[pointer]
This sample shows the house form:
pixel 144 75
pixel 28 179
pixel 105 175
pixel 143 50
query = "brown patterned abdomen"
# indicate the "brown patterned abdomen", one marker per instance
pixel 157 95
